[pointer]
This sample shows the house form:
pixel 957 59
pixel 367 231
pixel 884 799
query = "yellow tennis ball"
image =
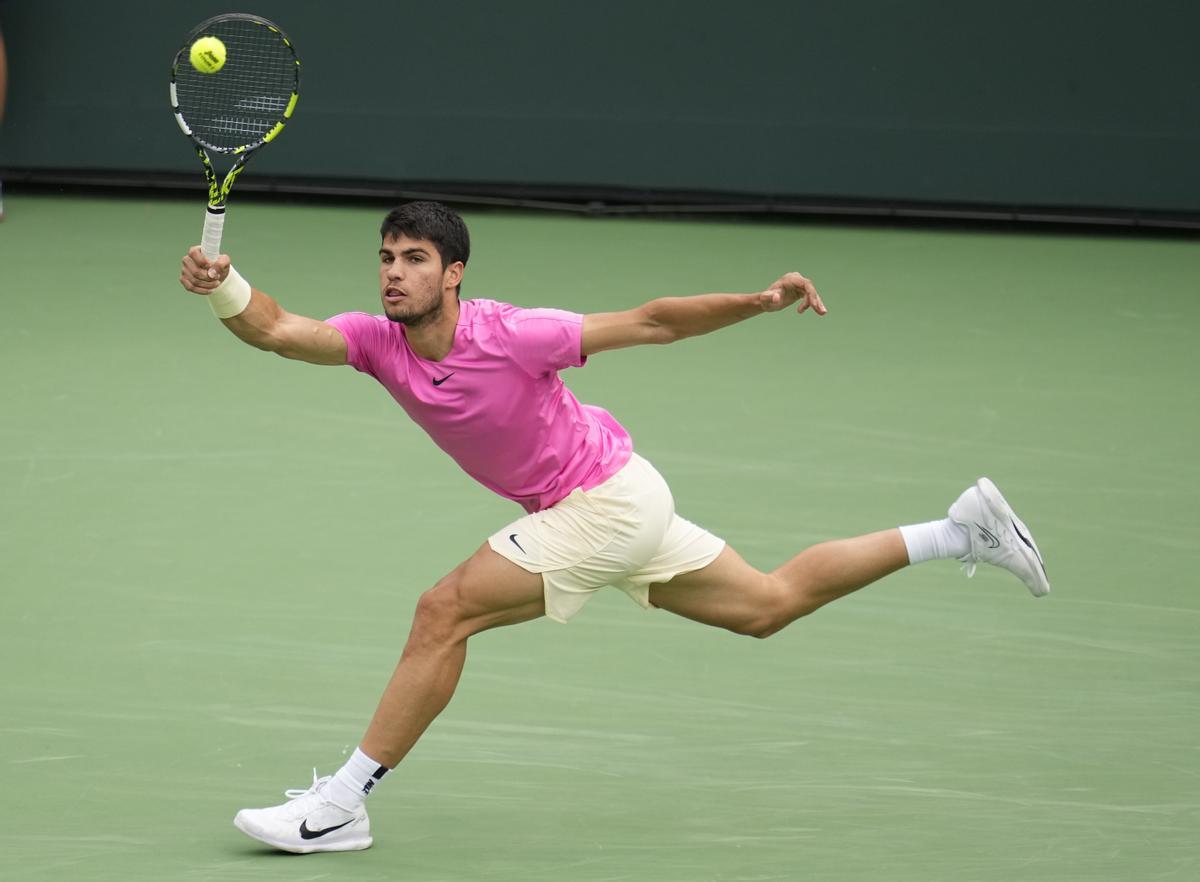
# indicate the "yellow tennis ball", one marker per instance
pixel 208 55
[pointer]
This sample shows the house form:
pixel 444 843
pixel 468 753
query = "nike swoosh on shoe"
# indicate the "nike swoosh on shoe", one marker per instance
pixel 306 833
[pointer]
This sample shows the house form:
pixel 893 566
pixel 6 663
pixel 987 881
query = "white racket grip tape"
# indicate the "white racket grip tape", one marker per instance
pixel 214 225
pixel 231 297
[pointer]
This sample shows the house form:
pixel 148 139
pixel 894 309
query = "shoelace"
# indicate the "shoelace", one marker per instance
pixel 968 563
pixel 317 784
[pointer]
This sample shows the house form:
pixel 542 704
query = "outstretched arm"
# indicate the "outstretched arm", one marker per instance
pixel 668 319
pixel 263 323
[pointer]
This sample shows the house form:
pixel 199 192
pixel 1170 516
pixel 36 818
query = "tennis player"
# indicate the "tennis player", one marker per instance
pixel 482 379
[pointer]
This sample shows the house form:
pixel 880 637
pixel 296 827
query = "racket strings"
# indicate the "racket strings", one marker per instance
pixel 240 104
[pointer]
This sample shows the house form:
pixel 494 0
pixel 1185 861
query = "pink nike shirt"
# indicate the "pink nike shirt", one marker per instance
pixel 496 403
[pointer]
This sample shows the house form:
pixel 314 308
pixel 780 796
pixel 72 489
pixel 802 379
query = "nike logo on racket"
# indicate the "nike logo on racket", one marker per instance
pixel 438 382
pixel 512 537
pixel 305 833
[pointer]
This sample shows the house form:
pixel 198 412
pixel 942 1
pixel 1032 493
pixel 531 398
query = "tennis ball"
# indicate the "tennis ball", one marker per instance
pixel 208 55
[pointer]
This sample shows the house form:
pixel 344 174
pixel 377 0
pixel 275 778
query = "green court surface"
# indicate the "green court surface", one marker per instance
pixel 210 556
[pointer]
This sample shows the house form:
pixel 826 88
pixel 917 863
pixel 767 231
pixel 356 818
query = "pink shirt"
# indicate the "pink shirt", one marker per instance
pixel 496 403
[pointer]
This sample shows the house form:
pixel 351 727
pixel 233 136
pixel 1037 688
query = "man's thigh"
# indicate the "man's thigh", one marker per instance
pixel 491 590
pixel 728 592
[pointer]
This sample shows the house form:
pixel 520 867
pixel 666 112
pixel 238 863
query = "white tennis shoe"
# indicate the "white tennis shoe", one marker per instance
pixel 308 822
pixel 998 536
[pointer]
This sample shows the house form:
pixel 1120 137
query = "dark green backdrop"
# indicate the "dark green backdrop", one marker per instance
pixel 1017 104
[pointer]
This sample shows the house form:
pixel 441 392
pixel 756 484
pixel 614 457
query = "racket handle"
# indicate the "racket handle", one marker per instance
pixel 214 224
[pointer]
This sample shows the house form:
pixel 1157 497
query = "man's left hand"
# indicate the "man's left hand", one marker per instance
pixel 792 288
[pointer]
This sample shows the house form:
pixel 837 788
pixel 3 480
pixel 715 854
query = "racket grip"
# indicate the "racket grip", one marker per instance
pixel 214 225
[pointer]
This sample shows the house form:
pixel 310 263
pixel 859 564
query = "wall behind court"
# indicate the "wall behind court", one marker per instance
pixel 1017 104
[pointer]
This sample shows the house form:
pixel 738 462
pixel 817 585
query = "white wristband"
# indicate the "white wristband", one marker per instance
pixel 231 297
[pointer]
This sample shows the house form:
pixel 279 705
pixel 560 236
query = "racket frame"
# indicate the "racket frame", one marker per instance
pixel 218 191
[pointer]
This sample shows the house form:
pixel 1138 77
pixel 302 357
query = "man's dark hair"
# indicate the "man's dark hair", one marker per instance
pixel 434 222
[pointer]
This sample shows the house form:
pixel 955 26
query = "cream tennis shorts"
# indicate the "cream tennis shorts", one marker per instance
pixel 623 533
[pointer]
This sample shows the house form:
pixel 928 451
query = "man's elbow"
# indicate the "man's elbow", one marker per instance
pixel 256 337
pixel 656 323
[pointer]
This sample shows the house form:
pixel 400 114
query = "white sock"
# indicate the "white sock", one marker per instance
pixel 354 780
pixel 935 540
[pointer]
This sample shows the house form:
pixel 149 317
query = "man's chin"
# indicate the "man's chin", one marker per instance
pixel 410 319
pixel 398 312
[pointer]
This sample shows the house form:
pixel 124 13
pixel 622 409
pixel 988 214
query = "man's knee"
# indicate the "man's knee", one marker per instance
pixel 775 605
pixel 760 626
pixel 439 616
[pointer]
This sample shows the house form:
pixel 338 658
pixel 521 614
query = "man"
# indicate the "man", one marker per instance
pixel 481 378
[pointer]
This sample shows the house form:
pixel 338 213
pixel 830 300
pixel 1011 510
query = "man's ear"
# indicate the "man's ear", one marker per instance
pixel 453 275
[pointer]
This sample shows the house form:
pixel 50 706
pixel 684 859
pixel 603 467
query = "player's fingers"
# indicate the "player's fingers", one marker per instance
pixel 194 271
pixel 197 286
pixel 803 291
pixel 813 299
pixel 782 286
pixel 216 269
pixel 817 303
pixel 196 279
pixel 220 268
pixel 794 281
pixel 202 267
pixel 190 271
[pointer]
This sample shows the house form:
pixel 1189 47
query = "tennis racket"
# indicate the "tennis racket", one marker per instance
pixel 239 108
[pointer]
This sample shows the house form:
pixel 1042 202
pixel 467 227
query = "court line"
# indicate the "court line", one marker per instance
pixel 945 793
pixel 1128 605
pixel 45 759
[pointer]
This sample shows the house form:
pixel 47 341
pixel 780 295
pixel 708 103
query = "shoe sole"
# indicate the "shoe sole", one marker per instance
pixel 1000 508
pixel 345 845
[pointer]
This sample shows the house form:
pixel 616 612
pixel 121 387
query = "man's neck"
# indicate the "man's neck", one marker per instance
pixel 434 341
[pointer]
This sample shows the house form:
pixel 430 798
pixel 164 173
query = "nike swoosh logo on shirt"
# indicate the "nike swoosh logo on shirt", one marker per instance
pixel 438 382
pixel 305 833
pixel 513 539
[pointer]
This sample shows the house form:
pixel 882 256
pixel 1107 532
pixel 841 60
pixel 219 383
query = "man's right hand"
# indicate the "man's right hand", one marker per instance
pixel 201 275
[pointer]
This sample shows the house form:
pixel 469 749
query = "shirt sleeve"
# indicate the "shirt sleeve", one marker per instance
pixel 363 338
pixel 545 341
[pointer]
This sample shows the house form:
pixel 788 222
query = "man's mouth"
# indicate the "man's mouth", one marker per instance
pixel 393 295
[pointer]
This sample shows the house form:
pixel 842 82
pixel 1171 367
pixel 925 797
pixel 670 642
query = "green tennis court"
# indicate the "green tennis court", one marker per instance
pixel 210 557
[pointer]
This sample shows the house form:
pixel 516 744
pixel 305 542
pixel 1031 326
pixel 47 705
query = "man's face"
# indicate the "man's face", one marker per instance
pixel 412 281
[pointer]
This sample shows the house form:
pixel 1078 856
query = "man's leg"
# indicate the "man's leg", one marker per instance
pixel 485 591
pixel 980 527
pixel 729 593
